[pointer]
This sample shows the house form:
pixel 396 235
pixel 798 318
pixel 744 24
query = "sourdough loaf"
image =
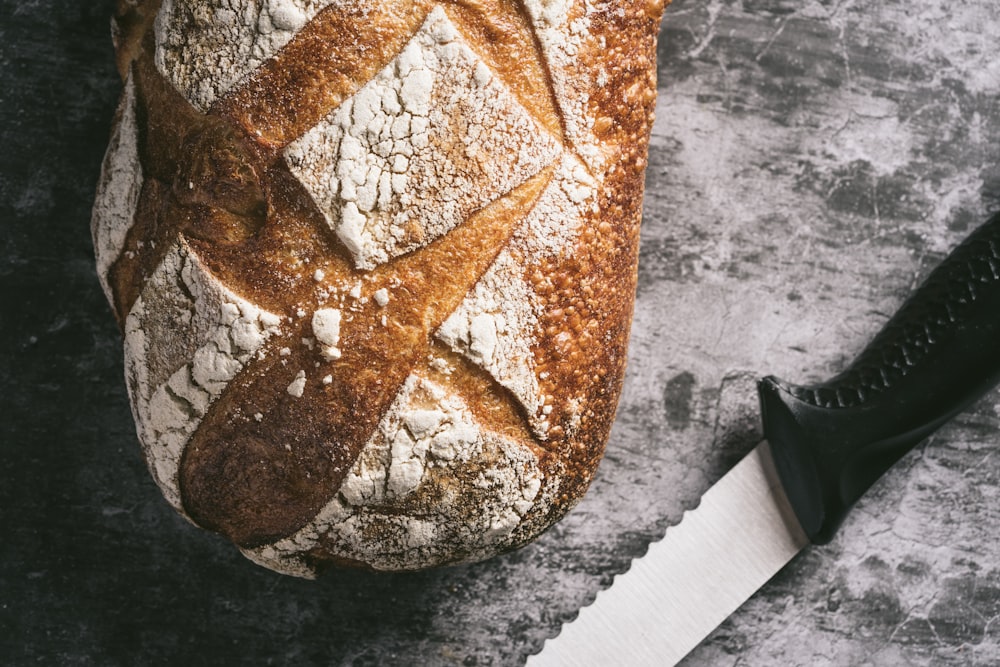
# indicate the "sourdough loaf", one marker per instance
pixel 374 262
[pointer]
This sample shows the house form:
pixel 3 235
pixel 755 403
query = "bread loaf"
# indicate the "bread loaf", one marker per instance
pixel 375 263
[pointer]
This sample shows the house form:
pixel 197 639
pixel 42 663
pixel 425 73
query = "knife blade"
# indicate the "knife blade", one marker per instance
pixel 825 445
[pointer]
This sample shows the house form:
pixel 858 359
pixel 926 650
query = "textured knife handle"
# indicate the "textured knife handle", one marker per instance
pixel 937 355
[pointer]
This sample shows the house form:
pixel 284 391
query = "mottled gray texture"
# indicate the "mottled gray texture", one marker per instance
pixel 811 162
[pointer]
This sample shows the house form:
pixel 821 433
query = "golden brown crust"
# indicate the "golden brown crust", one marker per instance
pixel 267 451
pixel 266 492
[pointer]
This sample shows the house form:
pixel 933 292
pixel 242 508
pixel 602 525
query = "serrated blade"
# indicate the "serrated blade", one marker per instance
pixel 705 567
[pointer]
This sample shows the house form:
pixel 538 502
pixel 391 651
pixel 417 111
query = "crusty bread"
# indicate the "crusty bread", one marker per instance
pixel 375 263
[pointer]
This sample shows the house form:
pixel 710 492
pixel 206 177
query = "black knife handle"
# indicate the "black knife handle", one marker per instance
pixel 938 353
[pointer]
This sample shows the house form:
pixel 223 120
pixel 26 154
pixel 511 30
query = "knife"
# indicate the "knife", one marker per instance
pixel 824 446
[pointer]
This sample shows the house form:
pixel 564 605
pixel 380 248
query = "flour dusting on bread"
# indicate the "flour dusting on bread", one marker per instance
pixel 206 48
pixel 118 190
pixel 563 30
pixel 186 338
pixel 430 140
pixel 431 483
pixel 494 325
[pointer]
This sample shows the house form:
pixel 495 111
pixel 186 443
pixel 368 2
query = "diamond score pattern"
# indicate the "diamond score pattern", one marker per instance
pixel 210 47
pixel 391 169
pixel 417 188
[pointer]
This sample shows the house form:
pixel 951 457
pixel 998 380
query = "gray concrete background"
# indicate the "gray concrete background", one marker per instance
pixel 812 161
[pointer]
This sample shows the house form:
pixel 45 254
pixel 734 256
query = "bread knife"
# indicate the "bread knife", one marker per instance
pixel 824 446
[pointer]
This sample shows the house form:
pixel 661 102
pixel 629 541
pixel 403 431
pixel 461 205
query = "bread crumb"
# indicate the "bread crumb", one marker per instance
pixel 326 328
pixel 298 385
pixel 326 325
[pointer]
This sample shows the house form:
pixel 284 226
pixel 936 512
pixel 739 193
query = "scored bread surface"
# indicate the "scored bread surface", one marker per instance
pixel 375 264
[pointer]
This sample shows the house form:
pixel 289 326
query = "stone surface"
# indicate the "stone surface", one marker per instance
pixel 812 161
